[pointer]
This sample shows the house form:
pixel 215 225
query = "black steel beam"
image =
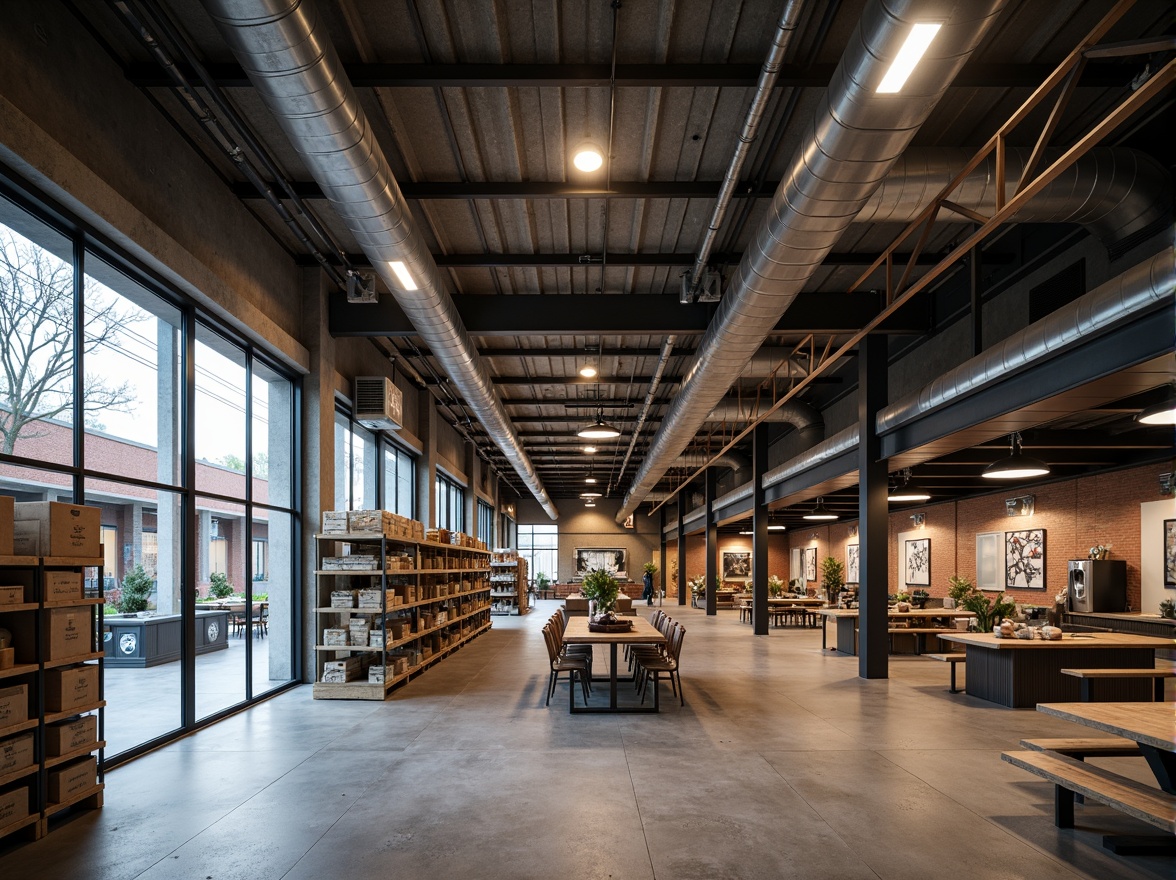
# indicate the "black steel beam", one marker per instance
pixel 1097 73
pixel 633 314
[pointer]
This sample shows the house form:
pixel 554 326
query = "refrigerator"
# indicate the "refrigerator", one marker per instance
pixel 1098 584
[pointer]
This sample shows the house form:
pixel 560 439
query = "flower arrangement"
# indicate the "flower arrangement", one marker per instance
pixel 698 584
pixel 775 586
pixel 988 612
pixel 1168 609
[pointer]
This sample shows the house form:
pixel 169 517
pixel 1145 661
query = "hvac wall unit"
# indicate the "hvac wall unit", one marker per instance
pixel 379 404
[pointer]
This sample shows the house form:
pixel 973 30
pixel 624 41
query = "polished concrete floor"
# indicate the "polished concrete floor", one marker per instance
pixel 782 764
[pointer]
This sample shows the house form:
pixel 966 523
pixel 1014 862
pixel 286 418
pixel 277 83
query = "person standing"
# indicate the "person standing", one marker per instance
pixel 647 593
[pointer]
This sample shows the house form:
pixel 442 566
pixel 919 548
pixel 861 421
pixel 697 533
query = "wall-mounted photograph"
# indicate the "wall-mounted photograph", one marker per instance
pixel 810 563
pixel 851 563
pixel 1170 553
pixel 1025 559
pixel 917 562
pixel 607 558
pixel 736 564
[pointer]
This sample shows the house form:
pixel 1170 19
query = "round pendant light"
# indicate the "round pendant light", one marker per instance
pixel 907 491
pixel 1017 466
pixel 820 513
pixel 1163 413
pixel 599 430
pixel 587 157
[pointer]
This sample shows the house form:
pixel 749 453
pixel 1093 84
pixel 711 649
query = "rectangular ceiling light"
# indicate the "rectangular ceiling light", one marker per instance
pixel 403 275
pixel 909 55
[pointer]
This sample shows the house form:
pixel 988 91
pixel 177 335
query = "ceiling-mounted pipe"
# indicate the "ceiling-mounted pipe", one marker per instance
pixel 284 48
pixel 851 143
pixel 731 459
pixel 1113 191
pixel 802 416
pixel 667 350
pixel 785 27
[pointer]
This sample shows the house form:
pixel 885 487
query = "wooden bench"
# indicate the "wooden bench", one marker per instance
pixel 953 659
pixel 917 631
pixel 1090 676
pixel 1071 776
pixel 1085 747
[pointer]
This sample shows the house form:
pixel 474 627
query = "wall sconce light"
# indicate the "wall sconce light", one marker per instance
pixel 919 519
pixel 1022 505
pixel 1166 484
pixel 853 531
pixel 813 536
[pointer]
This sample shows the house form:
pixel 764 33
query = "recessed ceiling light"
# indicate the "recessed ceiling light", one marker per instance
pixel 402 275
pixel 587 157
pixel 908 56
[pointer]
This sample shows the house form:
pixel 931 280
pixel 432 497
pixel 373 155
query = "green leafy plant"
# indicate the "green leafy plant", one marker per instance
pixel 261 597
pixel 1168 609
pixel 775 586
pixel 650 568
pixel 959 588
pixel 542 581
pixel 219 586
pixel 832 576
pixel 989 612
pixel 136 589
pixel 602 586
pixel 902 596
pixel 920 597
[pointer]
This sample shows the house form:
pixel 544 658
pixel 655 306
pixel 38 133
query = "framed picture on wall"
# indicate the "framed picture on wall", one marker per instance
pixel 917 562
pixel 1170 553
pixel 795 563
pixel 989 560
pixel 810 563
pixel 607 558
pixel 1025 559
pixel 736 564
pixel 851 563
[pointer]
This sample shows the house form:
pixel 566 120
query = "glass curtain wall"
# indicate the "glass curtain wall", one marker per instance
pixel 91 341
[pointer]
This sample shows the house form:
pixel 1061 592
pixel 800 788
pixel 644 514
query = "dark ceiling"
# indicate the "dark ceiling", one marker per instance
pixel 477 106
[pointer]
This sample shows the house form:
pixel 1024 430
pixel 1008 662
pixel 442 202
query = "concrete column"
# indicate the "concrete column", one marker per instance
pixel 203 540
pixel 759 528
pixel 280 541
pixel 472 463
pixel 168 527
pixel 426 469
pixel 873 642
pixel 710 482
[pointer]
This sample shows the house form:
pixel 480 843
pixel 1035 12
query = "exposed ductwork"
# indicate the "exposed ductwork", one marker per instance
pixel 1113 191
pixel 839 443
pixel 284 47
pixel 732 459
pixel 1139 289
pixel 804 417
pixel 851 143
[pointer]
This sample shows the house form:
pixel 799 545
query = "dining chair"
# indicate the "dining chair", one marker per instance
pixel 558 624
pixel 573 666
pixel 651 667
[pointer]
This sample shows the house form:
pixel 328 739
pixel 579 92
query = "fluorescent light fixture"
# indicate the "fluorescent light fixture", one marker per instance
pixel 403 275
pixel 1017 466
pixel 909 55
pixel 747 532
pixel 820 513
pixel 587 371
pixel 587 157
pixel 590 494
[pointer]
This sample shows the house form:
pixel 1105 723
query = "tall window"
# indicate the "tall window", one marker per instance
pixel 539 546
pixel 399 481
pixel 485 523
pixel 356 470
pixel 450 504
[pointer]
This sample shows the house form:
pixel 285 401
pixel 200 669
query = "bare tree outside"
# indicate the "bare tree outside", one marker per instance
pixel 37 354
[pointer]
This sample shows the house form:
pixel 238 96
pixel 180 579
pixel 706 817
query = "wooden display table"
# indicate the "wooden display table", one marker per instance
pixel 1020 673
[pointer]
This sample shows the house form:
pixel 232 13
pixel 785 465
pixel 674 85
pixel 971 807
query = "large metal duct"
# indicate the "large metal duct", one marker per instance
pixel 851 143
pixel 803 416
pixel 731 459
pixel 288 55
pixel 839 443
pixel 1113 191
pixel 1139 289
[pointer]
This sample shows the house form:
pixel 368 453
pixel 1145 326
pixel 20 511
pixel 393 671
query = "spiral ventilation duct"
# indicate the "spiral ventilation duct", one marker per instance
pixel 802 416
pixel 284 47
pixel 851 144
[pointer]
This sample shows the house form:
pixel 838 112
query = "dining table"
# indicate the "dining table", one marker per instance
pixel 846 623
pixel 642 632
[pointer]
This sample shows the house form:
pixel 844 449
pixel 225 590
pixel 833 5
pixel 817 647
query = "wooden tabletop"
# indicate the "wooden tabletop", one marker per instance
pixel 901 615
pixel 1152 724
pixel 798 602
pixel 1068 640
pixel 643 632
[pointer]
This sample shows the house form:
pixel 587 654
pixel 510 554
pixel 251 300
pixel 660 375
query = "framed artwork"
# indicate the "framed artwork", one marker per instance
pixel 1025 559
pixel 795 563
pixel 989 560
pixel 917 562
pixel 591 558
pixel 736 564
pixel 810 563
pixel 1170 553
pixel 852 563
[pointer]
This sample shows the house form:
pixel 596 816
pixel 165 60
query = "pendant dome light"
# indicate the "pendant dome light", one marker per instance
pixel 1017 466
pixel 1162 413
pixel 820 513
pixel 907 491
pixel 599 430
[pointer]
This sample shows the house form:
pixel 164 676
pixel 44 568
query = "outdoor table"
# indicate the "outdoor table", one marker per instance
pixel 642 633
pixel 1020 673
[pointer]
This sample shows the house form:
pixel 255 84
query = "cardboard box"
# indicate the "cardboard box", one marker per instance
pixel 64 529
pixel 6 520
pixel 16 754
pixel 335 522
pixel 343 598
pixel 69 632
pixel 11 595
pixel 14 705
pixel 14 805
pixel 71 687
pixel 61 585
pixel 338 671
pixel 69 736
pixel 336 637
pixel 26 538
pixel 71 779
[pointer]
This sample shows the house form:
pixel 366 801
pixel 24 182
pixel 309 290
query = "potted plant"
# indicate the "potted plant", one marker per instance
pixel 988 612
pixel 775 586
pixel 919 598
pixel 219 586
pixel 136 589
pixel 542 581
pixel 957 588
pixel 601 587
pixel 832 577
pixel 902 601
